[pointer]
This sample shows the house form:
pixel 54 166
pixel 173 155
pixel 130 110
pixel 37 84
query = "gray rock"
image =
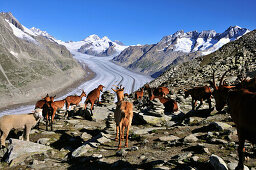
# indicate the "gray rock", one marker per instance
pixel 194 158
pixel 86 135
pixel 218 163
pixel 48 133
pixel 18 150
pixel 43 141
pixel 73 121
pixel 233 165
pixel 221 126
pixel 134 148
pixel 103 138
pixel 145 131
pixel 168 138
pixel 81 151
pixel 121 152
pixel 190 138
pixel 97 156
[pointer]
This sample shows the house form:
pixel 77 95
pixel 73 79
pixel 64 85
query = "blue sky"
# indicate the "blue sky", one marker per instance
pixel 130 21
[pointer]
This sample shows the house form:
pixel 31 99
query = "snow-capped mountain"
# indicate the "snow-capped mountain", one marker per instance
pixel 94 45
pixel 178 47
pixel 206 41
pixel 91 45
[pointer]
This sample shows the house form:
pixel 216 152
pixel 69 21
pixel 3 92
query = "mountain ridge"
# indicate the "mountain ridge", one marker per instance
pixel 175 47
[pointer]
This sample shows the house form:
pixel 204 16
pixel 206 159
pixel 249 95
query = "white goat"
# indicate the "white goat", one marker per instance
pixel 19 121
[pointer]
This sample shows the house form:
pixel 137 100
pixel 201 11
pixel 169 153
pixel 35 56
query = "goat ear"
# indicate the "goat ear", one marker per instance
pixel 123 88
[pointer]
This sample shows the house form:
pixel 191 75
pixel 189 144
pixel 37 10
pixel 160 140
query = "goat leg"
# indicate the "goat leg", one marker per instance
pixel 201 103
pixel 127 135
pixel 119 145
pixel 240 165
pixel 117 129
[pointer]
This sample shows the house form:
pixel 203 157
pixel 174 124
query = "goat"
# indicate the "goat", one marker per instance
pixel 139 94
pixel 48 113
pixel 123 118
pixel 199 93
pixel 55 106
pixel 170 105
pixel 40 103
pixel 249 84
pixel 220 92
pixel 93 96
pixel 163 90
pixel 241 107
pixel 74 100
pixel 19 121
pixel 119 92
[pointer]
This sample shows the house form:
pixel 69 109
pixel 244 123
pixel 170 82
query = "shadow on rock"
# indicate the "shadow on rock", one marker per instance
pixel 67 141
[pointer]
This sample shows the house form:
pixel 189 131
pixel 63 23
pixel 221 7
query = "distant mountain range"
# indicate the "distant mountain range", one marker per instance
pixel 176 48
pixel 91 45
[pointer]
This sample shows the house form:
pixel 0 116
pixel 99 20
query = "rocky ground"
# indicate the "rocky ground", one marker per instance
pixel 186 139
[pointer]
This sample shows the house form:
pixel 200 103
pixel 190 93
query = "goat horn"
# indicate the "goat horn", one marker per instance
pixel 113 89
pixel 222 78
pixel 116 86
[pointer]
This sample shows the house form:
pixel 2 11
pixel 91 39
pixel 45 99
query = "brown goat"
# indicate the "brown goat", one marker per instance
pixel 119 92
pixel 40 103
pixel 57 105
pixel 249 84
pixel 93 96
pixel 47 113
pixel 201 94
pixel 139 94
pixel 170 105
pixel 163 90
pixel 241 106
pixel 74 100
pixel 220 92
pixel 123 118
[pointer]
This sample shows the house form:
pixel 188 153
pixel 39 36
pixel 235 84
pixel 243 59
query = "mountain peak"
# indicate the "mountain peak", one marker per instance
pixel 8 16
pixel 234 32
pixel 92 37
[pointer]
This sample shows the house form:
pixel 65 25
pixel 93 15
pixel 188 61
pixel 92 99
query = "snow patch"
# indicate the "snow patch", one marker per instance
pixel 14 53
pixel 20 34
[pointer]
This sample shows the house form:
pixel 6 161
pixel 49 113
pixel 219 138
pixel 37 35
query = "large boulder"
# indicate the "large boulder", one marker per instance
pixel 18 150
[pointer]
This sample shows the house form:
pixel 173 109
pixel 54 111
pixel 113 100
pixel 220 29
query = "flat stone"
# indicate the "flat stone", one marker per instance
pixel 97 156
pixel 233 165
pixel 221 126
pixel 168 138
pixel 18 150
pixel 81 151
pixel 190 138
pixel 86 135
pixel 72 121
pixel 146 130
pixel 48 133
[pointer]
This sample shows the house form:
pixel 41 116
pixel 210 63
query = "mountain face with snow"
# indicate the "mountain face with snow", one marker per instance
pixel 96 46
pixel 176 48
pixel 31 64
